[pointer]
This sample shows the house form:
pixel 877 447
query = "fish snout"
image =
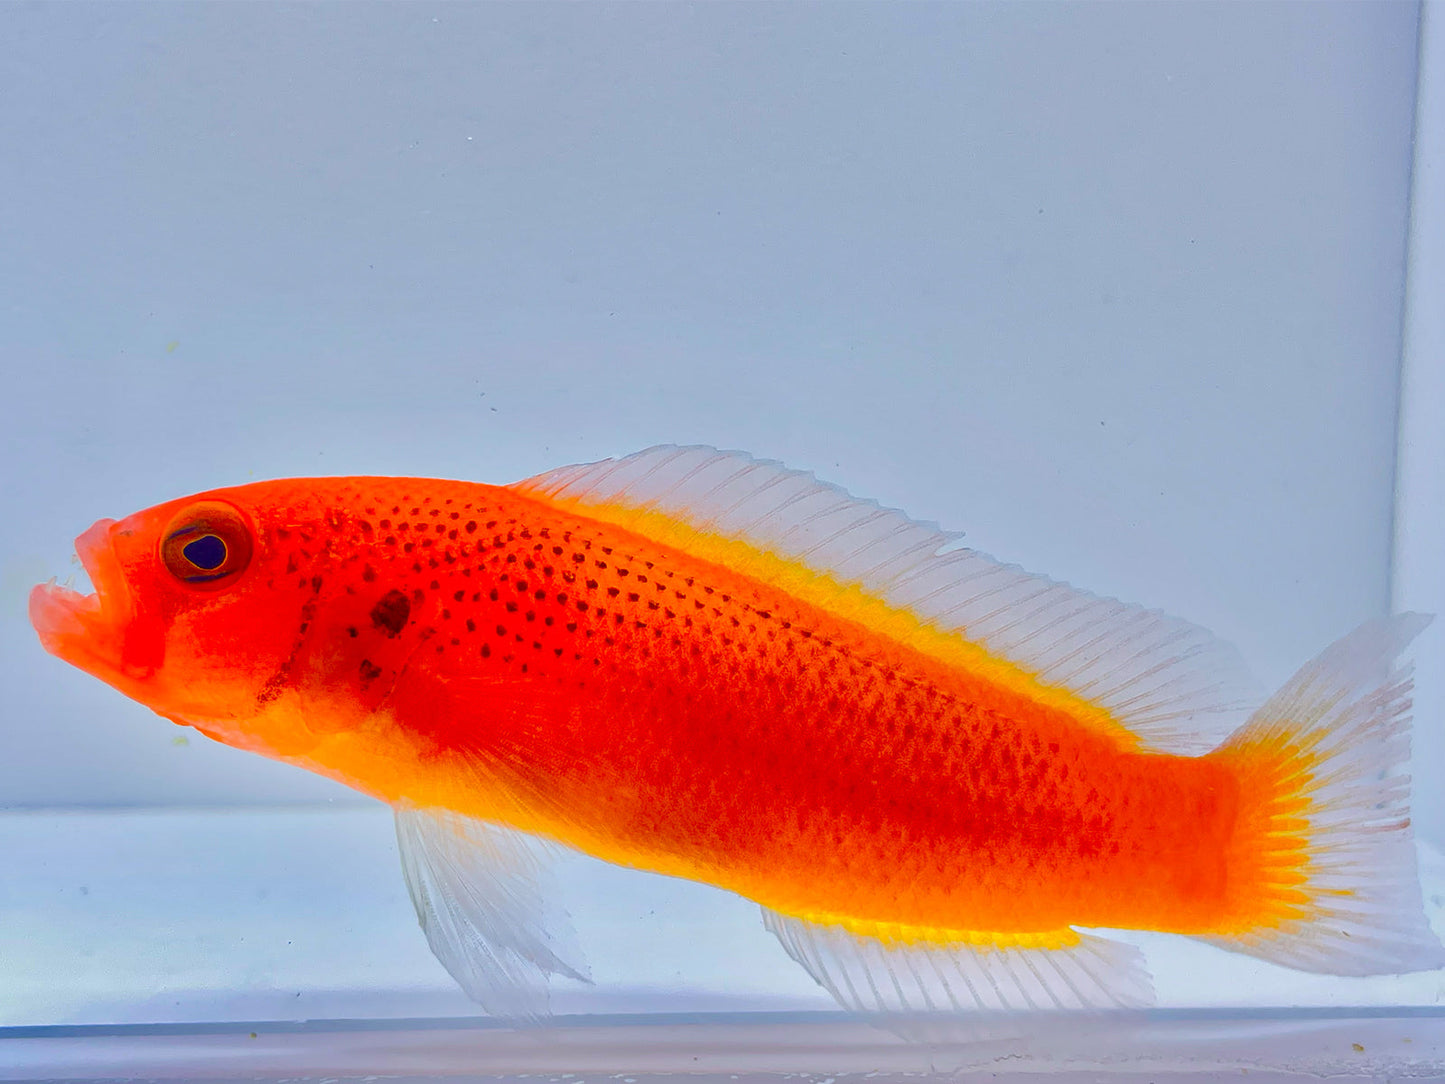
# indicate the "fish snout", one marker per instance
pixel 86 630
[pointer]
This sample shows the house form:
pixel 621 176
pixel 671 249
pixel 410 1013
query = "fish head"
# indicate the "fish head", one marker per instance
pixel 196 610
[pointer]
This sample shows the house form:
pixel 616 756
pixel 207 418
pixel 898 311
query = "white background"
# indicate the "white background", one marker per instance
pixel 1116 289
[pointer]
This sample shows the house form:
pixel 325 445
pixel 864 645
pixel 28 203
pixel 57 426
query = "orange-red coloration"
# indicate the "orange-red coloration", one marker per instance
pixel 471 647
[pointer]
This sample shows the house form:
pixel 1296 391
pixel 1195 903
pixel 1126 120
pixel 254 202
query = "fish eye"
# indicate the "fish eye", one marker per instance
pixel 207 545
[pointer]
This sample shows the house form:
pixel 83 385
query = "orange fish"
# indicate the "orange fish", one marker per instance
pixel 929 768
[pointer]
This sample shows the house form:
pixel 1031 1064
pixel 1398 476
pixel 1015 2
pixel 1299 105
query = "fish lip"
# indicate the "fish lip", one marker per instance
pixel 86 630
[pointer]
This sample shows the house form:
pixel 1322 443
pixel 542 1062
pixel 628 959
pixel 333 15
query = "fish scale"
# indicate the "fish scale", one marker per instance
pixel 666 674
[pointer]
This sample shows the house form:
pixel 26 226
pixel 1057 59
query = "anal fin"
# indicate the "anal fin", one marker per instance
pixel 908 978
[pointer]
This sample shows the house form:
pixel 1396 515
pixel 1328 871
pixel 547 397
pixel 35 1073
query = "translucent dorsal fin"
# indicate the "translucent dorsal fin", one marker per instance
pixel 1174 685
pixel 866 974
pixel 477 893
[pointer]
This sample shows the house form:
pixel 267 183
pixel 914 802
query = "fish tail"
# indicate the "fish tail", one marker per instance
pixel 1321 865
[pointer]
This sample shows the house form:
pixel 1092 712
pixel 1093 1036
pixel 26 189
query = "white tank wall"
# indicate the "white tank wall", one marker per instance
pixel 1419 558
pixel 1114 288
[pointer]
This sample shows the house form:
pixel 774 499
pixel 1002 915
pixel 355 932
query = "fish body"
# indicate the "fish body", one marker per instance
pixel 605 658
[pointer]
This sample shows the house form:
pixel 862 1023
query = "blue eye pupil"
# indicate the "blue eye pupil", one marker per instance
pixel 207 552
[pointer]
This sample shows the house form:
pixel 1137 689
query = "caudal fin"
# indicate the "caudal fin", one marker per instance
pixel 1322 864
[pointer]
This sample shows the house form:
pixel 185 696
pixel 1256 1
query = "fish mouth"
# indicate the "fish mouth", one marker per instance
pixel 87 631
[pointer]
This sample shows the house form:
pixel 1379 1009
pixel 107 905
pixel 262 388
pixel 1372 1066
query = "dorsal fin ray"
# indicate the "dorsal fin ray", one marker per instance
pixel 1174 685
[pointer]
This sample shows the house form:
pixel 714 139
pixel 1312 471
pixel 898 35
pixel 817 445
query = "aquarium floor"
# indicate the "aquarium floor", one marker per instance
pixel 702 1048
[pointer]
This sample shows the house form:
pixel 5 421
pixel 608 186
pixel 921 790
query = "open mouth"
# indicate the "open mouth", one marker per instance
pixel 85 630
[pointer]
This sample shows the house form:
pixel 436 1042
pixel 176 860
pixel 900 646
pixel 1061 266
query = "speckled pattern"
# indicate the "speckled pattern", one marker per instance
pixel 662 711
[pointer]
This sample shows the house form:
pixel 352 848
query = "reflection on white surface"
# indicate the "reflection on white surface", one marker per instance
pixel 803 1048
pixel 214 915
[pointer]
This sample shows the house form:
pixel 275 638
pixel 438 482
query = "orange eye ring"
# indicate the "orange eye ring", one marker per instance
pixel 207 546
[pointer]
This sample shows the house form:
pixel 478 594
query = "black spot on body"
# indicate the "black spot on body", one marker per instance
pixel 391 613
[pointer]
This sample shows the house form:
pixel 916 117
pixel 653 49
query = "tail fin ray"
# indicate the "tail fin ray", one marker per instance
pixel 1324 857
